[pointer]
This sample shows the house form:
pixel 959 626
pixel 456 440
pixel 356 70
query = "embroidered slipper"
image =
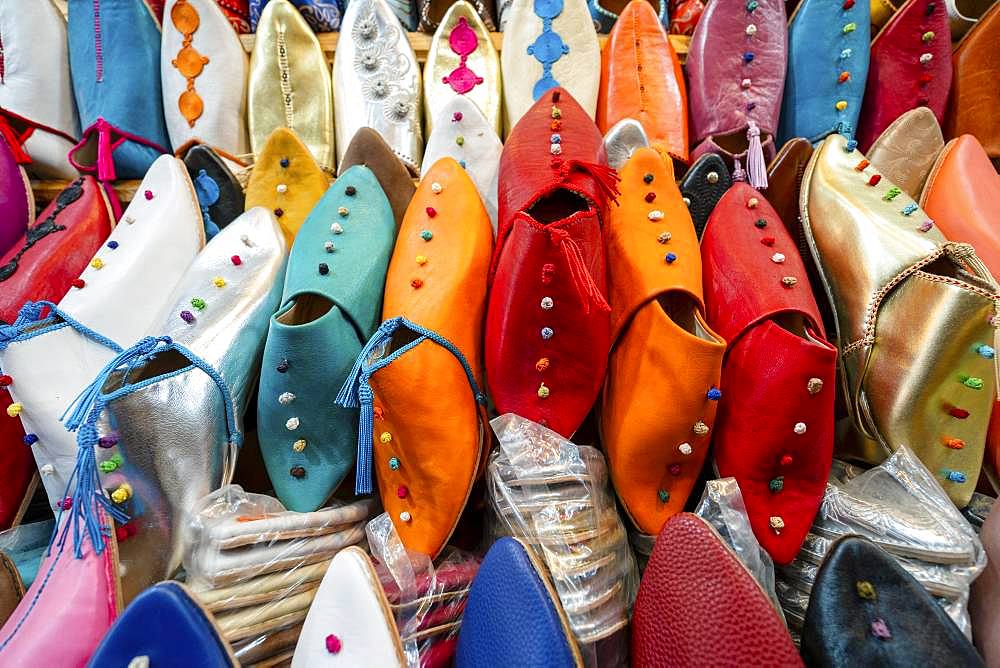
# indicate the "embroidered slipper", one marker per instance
pixel 774 432
pixel 369 149
pixel 287 61
pixel 36 95
pixel 975 61
pixel 881 260
pixel 220 194
pixel 350 622
pixel 184 632
pixel 865 605
pixel 694 602
pixel 909 67
pixel 124 289
pixel 463 133
pixel 204 69
pixel 703 186
pixel 906 150
pixel 462 62
pixel 819 99
pixel 537 57
pixel 43 266
pixel 76 588
pixel 286 180
pixel 18 210
pixel 430 448
pixel 514 612
pixel 736 76
pixel 238 14
pixel 662 346
pixel 114 52
pixel 330 306
pixel 377 79
pixel 609 15
pixel 321 15
pixel 547 326
pixel 642 79
pixel 685 16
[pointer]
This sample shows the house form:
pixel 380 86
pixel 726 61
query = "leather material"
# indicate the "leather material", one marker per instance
pixel 976 63
pixel 642 79
pixel 963 16
pixel 534 60
pixel 11 587
pixel 321 15
pixel 286 161
pixel 818 33
pixel 17 201
pixel 774 430
pixel 369 149
pixel 622 139
pixel 698 605
pixel 513 612
pixel 203 68
pixel 36 91
pixel 377 79
pixel 984 603
pixel 316 335
pixel 881 12
pixel 662 346
pixel 350 607
pixel 882 269
pixel 605 19
pixel 80 596
pixel 478 150
pixel 721 107
pixel 703 186
pixel 866 609
pixel 126 288
pixel 27 546
pixel 550 244
pixel 906 150
pixel 286 48
pixel 172 434
pixel 432 13
pixel 218 211
pixel 164 625
pixel 900 75
pixel 784 181
pixel 238 13
pixel 118 94
pixel 259 589
pixel 462 61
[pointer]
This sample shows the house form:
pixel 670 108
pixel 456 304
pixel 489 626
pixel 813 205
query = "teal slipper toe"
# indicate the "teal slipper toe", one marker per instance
pixel 330 306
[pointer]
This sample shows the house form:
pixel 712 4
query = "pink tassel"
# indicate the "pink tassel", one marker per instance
pixel 105 161
pixel 739 174
pixel 755 159
pixel 116 205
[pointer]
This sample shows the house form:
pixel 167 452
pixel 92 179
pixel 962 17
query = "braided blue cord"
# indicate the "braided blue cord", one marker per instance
pixel 28 316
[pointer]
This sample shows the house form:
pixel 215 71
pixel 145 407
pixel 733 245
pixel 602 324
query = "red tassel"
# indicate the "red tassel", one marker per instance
pixel 582 280
pixel 605 177
pixel 15 141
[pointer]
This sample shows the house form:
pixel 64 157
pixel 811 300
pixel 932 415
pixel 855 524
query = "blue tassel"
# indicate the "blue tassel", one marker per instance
pixel 27 325
pixel 208 194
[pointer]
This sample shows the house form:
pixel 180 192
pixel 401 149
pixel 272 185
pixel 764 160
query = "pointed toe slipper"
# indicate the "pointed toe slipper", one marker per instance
pixel 555 45
pixel 165 624
pixel 819 99
pixel 643 80
pixel 975 60
pixel 882 260
pixel 513 611
pixel 369 149
pixel 286 180
pixel 906 150
pixel 220 194
pixel 123 290
pixel 36 97
pixel 203 69
pixel 428 449
pixel 661 346
pixel 17 200
pixel 685 613
pixel 114 54
pixel 330 307
pixel 703 186
pixel 350 622
pixel 288 58
pixel 377 79
pixel 463 133
pixel 321 15
pixel 909 67
pixel 774 431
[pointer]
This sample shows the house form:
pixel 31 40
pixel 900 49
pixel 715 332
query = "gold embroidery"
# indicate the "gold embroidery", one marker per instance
pixel 188 62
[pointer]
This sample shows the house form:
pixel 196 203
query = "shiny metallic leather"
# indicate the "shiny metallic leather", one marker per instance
pixel 906 150
pixel 172 434
pixel 881 12
pixel 911 311
pixel 622 139
pixel 285 44
pixel 377 80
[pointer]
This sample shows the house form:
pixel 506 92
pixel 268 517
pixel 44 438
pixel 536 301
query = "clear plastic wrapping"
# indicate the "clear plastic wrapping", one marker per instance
pixel 256 566
pixel 427 598
pixel 555 496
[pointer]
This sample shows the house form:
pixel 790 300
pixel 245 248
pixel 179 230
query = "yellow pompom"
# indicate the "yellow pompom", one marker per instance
pixel 122 494
pixel 14 409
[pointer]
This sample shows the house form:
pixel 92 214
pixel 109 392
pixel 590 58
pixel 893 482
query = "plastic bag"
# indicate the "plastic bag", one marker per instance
pixel 555 496
pixel 256 566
